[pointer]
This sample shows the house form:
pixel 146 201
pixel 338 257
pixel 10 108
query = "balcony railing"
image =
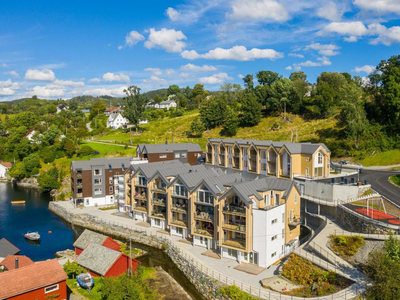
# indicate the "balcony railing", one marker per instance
pixel 161 190
pixel 140 208
pixel 203 232
pixel 179 209
pixel 204 216
pixel 179 222
pixel 158 202
pixel 158 214
pixel 78 195
pixel 296 221
pixel 234 209
pixel 79 185
pixel 140 197
pixel 234 227
pixel 237 243
pixel 78 175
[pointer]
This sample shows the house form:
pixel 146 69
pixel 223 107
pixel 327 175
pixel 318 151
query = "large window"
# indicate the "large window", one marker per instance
pixel 232 252
pixel 267 199
pixel 204 196
pixel 142 180
pixel 51 288
pixel 97 181
pixel 320 158
pixel 98 191
pixel 97 172
pixel 180 190
pixel 177 155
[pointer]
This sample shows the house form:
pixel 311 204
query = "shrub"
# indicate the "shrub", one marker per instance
pixel 234 293
pixel 85 151
pixel 72 269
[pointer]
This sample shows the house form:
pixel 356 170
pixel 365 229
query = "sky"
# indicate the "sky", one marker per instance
pixel 63 49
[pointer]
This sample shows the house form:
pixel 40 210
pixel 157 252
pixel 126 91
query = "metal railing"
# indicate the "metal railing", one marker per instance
pixel 234 209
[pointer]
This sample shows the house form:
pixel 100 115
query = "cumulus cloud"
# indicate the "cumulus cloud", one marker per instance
pixel 194 68
pixel 169 71
pixel 156 79
pixel 155 71
pixel 52 66
pixel 58 82
pixel 356 28
pixel 215 79
pixel 322 61
pixel 115 77
pixel 240 76
pixel 8 88
pixel 95 80
pixel 386 36
pixel 132 38
pixel 351 39
pixel 4 65
pixel 168 39
pixel 47 91
pixel 366 69
pixel 120 47
pixel 379 6
pixel 325 50
pixel 296 55
pixel 288 68
pixel 184 75
pixel 115 91
pixel 239 53
pixel 329 11
pixel 265 10
pixel 12 73
pixel 43 75
pixel 172 13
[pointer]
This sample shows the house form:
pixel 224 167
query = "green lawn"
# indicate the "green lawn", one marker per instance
pixel 395 179
pixel 387 158
pixel 108 150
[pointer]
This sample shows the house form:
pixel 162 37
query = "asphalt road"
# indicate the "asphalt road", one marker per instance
pixel 380 183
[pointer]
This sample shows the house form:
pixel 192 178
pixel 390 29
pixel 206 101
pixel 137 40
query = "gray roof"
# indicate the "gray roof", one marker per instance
pixel 97 258
pixel 168 148
pixel 115 162
pixel 88 237
pixel 149 169
pixel 193 178
pixel 6 248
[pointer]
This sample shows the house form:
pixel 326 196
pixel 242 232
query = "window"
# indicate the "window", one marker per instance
pixel 267 200
pixel 142 180
pixel 97 172
pixel 179 230
pixel 274 221
pixel 97 181
pixel 274 237
pixel 273 254
pixel 291 215
pixel 98 191
pixel 180 190
pixel 204 196
pixel 177 155
pixel 276 199
pixel 111 189
pixel 51 288
pixel 295 198
pixel 87 201
pixel 163 155
pixel 283 217
pixel 232 252
pixel 157 222
pixel 183 155
pixel 111 180
pixel 290 232
pixel 319 158
pixel 283 233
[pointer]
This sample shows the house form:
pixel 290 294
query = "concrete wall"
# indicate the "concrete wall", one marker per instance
pixel 328 192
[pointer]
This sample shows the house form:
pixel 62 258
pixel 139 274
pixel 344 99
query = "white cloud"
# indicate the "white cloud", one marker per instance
pixel 115 77
pixel 132 38
pixel 184 75
pixel 235 53
pixel 296 55
pixel 240 76
pixel 356 28
pixel 45 91
pixel 322 61
pixel 169 71
pixel 379 6
pixel 115 91
pixel 120 47
pixel 215 79
pixel 288 68
pixel 12 73
pixel 329 11
pixel 367 69
pixel 155 71
pixel 172 13
pixel 52 66
pixel 156 79
pixel 43 75
pixel 8 84
pixel 167 39
pixel 58 82
pixel 194 68
pixel 4 65
pixel 95 80
pixel 325 50
pixel 251 10
pixel 6 92
pixel 351 39
pixel 386 36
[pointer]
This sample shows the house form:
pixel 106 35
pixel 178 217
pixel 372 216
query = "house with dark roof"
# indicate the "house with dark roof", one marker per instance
pixel 105 262
pixel 89 236
pixel 34 281
pixel 12 262
pixel 116 120
pixel 6 248
pixel 185 152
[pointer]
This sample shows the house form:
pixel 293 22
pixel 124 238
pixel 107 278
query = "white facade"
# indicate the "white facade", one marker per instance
pixel 30 135
pixel 177 231
pixel 116 121
pixel 99 201
pixel 3 171
pixel 168 104
pixel 158 223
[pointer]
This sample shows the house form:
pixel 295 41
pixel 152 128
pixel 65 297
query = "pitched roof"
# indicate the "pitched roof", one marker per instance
pixel 88 237
pixel 112 108
pixel 97 258
pixel 115 162
pixel 9 261
pixel 32 277
pixel 169 148
pixel 6 164
pixel 6 248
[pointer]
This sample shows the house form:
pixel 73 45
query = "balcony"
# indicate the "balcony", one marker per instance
pixel 140 183
pixel 158 215
pixel 79 185
pixel 78 175
pixel 204 217
pixel 158 202
pixel 160 190
pixel 234 227
pixel 140 197
pixel 237 243
pixel 78 195
pixel 140 208
pixel 179 209
pixel 179 223
pixel 296 221
pixel 234 210
pixel 203 232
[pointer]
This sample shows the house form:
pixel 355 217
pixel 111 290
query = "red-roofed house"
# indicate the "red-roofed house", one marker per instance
pixel 36 281
pixel 12 262
pixel 112 110
pixel 4 166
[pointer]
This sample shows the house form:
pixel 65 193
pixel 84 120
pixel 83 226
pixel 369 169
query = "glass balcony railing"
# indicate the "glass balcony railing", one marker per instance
pixel 237 243
pixel 234 209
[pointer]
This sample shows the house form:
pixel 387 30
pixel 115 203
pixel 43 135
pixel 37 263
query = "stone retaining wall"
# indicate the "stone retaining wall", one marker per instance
pixel 354 222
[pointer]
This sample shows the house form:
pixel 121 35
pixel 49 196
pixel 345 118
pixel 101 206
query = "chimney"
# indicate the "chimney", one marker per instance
pixel 16 262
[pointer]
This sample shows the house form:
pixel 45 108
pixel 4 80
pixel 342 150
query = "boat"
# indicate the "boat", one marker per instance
pixel 33 236
pixel 85 280
pixel 18 202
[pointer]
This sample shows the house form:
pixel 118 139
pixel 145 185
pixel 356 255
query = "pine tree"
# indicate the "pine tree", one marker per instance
pixel 231 124
pixel 250 110
pixel 196 128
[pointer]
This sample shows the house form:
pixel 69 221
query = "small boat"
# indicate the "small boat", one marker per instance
pixel 18 202
pixel 85 280
pixel 33 236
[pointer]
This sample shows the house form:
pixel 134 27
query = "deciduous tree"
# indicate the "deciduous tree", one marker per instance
pixel 134 104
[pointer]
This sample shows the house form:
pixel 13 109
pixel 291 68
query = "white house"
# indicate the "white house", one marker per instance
pixel 30 135
pixel 168 104
pixel 153 104
pixel 4 166
pixel 61 107
pixel 115 121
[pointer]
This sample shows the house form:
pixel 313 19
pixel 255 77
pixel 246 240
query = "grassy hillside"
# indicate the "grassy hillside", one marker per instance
pixel 161 131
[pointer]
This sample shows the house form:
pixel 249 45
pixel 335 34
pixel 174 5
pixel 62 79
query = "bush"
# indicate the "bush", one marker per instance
pixel 72 269
pixel 234 293
pixel 85 151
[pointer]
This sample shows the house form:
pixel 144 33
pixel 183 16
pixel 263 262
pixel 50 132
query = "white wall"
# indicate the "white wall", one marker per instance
pixel 3 171
pixel 139 216
pixel 197 242
pixel 174 232
pixel 263 231
pixel 153 223
pixel 327 191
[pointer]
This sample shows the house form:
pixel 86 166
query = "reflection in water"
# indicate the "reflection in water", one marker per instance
pixel 34 243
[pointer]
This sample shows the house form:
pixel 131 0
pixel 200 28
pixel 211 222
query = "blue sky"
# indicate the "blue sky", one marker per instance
pixel 56 49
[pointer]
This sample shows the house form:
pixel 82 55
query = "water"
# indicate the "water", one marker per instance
pixel 18 219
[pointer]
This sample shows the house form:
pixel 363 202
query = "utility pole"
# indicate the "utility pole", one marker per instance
pixel 130 135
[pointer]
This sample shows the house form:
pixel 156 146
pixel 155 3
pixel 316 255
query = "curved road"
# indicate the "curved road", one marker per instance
pixel 380 183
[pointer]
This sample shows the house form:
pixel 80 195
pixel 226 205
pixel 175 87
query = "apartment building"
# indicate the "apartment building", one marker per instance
pixel 255 221
pixel 185 152
pixel 100 181
pixel 280 159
